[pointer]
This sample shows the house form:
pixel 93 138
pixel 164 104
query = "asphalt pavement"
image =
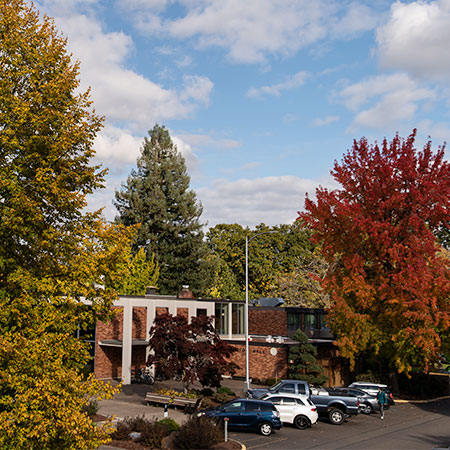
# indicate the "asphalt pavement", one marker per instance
pixel 407 426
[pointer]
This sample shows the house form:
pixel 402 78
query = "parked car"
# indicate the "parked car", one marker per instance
pixel 372 389
pixel 247 413
pixel 298 410
pixel 336 408
pixel 367 403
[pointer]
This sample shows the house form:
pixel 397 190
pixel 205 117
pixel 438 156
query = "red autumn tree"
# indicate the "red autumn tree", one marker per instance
pixel 189 351
pixel 390 284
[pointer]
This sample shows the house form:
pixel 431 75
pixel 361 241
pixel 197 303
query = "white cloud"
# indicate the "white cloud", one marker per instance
pixel 388 99
pixel 205 140
pixel 188 154
pixel 318 122
pixel 121 94
pixel 197 88
pixel 251 31
pixel 439 132
pixel 115 146
pixel 292 82
pixel 289 117
pixel 416 39
pixel 356 19
pixel 250 165
pixel 272 200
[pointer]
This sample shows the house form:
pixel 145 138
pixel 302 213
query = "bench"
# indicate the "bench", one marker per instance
pixel 187 403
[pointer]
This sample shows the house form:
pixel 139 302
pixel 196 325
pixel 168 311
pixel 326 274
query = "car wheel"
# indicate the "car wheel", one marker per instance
pixel 336 416
pixel 301 422
pixel 265 429
pixel 366 408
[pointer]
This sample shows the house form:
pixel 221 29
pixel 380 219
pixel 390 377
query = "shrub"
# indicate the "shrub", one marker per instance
pixel 225 390
pixel 207 403
pixel 369 376
pixel 198 433
pixel 172 393
pixel 422 386
pixel 91 408
pixel 170 424
pixel 207 392
pixel 269 381
pixel 221 397
pixel 152 431
pixel 123 429
pixel 140 423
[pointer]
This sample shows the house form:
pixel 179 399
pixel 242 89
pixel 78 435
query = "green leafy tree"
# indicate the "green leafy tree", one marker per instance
pixel 302 285
pixel 388 278
pixel 53 256
pixel 303 364
pixel 138 273
pixel 157 196
pixel 276 257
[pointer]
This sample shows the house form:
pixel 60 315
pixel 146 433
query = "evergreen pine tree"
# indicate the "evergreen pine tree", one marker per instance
pixel 303 363
pixel 157 195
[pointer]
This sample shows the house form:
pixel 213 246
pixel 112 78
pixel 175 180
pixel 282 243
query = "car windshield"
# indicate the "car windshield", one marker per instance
pixel 275 386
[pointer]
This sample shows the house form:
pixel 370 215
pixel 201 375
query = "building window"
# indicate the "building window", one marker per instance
pixel 294 321
pixel 221 315
pixel 237 319
pixel 310 322
pixel 201 312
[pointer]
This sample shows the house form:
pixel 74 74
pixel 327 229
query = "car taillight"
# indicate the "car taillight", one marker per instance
pixel 277 413
pixel 357 402
pixel 313 409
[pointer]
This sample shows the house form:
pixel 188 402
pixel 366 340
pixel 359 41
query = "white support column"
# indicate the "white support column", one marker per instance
pixel 127 342
pixel 230 320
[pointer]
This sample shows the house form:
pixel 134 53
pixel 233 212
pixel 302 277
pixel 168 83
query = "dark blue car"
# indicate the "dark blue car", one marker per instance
pixel 248 413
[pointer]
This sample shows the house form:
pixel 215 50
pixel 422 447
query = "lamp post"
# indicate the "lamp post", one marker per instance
pixel 247 371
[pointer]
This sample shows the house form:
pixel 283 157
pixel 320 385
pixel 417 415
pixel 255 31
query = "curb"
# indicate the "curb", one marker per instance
pixel 423 401
pixel 243 447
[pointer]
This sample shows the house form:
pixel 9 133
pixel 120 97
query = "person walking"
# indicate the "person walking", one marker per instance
pixel 382 401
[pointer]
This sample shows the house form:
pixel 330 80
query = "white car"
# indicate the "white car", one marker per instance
pixel 366 386
pixel 294 408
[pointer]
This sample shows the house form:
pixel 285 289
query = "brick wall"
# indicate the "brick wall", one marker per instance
pixel 140 330
pixel 161 310
pixel 262 364
pixel 183 312
pixel 263 321
pixel 108 360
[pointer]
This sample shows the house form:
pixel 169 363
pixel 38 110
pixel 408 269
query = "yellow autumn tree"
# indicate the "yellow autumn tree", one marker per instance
pixel 54 257
pixel 138 273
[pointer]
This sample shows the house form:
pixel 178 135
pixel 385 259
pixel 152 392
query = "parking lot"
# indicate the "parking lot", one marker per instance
pixel 406 426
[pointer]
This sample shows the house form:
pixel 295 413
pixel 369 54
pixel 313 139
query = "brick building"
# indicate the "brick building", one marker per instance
pixel 122 344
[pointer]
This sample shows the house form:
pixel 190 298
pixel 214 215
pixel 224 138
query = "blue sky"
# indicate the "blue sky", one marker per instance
pixel 260 96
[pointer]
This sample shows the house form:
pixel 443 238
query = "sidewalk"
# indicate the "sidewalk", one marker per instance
pixel 130 401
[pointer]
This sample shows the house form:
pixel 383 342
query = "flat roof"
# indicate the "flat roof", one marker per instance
pixel 119 342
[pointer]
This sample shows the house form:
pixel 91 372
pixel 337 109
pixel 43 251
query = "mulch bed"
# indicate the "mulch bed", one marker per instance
pixel 131 445
pixel 98 418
